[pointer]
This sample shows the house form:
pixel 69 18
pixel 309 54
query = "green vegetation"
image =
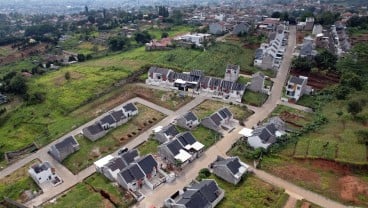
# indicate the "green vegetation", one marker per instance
pixel 91 151
pixel 206 136
pixel 209 106
pixel 299 204
pixel 254 98
pixel 89 194
pixel 13 185
pixel 148 147
pixel 251 192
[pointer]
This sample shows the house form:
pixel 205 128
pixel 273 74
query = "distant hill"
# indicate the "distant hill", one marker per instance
pixel 347 2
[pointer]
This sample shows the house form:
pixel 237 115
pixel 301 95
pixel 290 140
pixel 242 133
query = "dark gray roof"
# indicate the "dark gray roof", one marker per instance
pixel 234 165
pixel 306 49
pixel 129 156
pixel 147 164
pixel 174 146
pixel 186 138
pixel 185 77
pixel 208 189
pixel 118 115
pixel 194 199
pixel 171 76
pixel 205 81
pixel 226 84
pixel 162 71
pixel 296 80
pixel 130 107
pixel 215 82
pixel 66 143
pixel 95 129
pixel 238 86
pixel 197 73
pixel 41 167
pixel 216 119
pixel 170 130
pixel 108 119
pixel 190 116
pixel 258 54
pixel 131 173
pixel 271 128
pixel 233 66
pixel 225 113
pixel 116 163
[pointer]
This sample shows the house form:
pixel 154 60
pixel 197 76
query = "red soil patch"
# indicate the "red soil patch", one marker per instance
pixel 351 187
pixel 16 54
pixel 326 165
pixel 318 80
pixel 306 205
pixel 358 39
pixel 297 173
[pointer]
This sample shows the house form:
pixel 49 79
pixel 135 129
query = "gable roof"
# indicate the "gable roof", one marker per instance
pixel 225 113
pixel 296 80
pixel 234 165
pixel 170 130
pixel 131 173
pixel 66 144
pixel 190 116
pixel 107 119
pixel 186 138
pixel 233 66
pixel 194 199
pixel 174 146
pixel 118 115
pixel 95 129
pixel 129 156
pixel 238 86
pixel 215 82
pixel 208 188
pixel 205 80
pixel 226 84
pixel 147 164
pixel 162 71
pixel 116 163
pixel 216 118
pixel 130 107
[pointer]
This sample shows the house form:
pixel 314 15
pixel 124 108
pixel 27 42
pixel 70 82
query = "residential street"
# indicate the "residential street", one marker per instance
pixel 220 148
pixel 190 172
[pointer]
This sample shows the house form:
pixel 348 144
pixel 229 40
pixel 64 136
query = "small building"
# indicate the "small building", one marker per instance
pixel 64 148
pixel 129 156
pixel 174 153
pixel 267 134
pixel 232 73
pixel 230 169
pixel 195 39
pixel 163 44
pixel 219 121
pixel 206 193
pixel 130 110
pixel 131 177
pixel 258 82
pixel 113 167
pixel 44 173
pixel 215 85
pixel 217 28
pixel 157 76
pixel 94 132
pixel 188 121
pixel 107 122
pixel 237 91
pixel 241 28
pixel 296 87
pixel 307 49
pixel 166 134
pixel 190 144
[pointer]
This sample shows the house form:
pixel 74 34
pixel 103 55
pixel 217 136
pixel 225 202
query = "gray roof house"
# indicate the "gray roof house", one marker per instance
pixel 257 84
pixel 296 87
pixel 188 121
pixel 218 120
pixel 130 110
pixel 241 28
pixel 204 194
pixel 3 99
pixel 64 148
pixel 230 169
pixel 166 134
pixel 232 72
pixel 267 134
pixel 217 28
pixel 129 156
pixel 107 122
pixel 237 91
pixel 190 143
pixel 157 75
pixel 174 153
pixel 113 167
pixel 131 177
pixel 94 132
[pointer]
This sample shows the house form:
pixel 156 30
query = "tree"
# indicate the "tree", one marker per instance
pixel 362 136
pixel 342 92
pixel 177 17
pixel 142 37
pixel 354 107
pixel 67 75
pixel 302 64
pixel 164 35
pixel 326 60
pixel 18 85
pixel 276 15
pixel 118 43
pixel 81 57
pixel 350 79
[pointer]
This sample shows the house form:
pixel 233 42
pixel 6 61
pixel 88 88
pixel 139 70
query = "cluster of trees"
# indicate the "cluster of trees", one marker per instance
pixel 323 18
pixel 15 83
pixel 142 37
pixel 358 22
pixel 324 61
pixel 118 43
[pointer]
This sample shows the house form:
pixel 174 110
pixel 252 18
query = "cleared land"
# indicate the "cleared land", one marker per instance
pixel 210 106
pixel 251 192
pixel 254 98
pixel 116 138
pixel 95 191
pixel 14 185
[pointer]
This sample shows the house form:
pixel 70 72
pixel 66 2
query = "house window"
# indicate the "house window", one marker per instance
pixel 298 87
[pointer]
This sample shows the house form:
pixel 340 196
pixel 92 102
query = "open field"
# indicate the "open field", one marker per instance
pixel 206 136
pixel 116 138
pixel 294 119
pixel 254 98
pixel 251 192
pixel 148 147
pixel 95 191
pixel 210 106
pixel 13 185
pixel 67 103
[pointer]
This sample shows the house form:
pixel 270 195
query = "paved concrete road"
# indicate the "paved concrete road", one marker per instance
pixel 220 148
pixel 295 106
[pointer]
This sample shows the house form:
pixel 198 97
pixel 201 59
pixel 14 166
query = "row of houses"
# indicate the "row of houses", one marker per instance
pixel 196 82
pixel 270 55
pixel 220 28
pixel 111 120
pixel 132 171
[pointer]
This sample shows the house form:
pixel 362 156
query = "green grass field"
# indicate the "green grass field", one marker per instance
pixel 251 192
pixel 87 194
pixel 148 147
pixel 90 151
pixel 254 98
pixel 206 136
